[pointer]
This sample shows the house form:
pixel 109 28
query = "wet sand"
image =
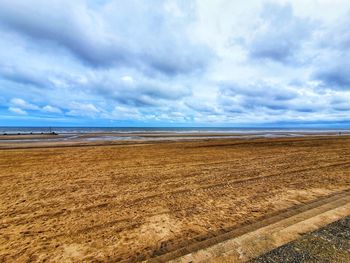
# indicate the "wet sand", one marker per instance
pixel 27 140
pixel 130 201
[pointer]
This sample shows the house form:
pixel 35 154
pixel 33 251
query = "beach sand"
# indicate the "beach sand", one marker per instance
pixel 135 201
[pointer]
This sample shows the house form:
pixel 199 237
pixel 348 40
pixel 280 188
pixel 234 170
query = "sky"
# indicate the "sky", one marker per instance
pixel 175 63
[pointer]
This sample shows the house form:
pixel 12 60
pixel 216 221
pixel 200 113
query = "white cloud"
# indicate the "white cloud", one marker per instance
pixel 83 109
pixel 51 109
pixel 22 104
pixel 127 79
pixel 125 113
pixel 17 111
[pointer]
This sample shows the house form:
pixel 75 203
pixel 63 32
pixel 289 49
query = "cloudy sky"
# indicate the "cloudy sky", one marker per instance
pixel 174 63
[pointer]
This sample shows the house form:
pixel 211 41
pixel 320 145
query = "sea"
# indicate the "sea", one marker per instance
pixel 192 130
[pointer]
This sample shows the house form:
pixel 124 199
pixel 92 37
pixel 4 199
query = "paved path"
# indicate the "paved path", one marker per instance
pixel 328 244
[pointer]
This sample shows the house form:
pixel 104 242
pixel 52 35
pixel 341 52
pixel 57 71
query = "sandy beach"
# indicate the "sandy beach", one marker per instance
pixel 131 201
pixel 174 131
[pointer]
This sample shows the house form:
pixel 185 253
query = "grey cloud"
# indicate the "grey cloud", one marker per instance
pixel 133 60
pixel 179 59
pixel 136 90
pixel 38 78
pixel 72 27
pixel 335 78
pixel 336 35
pixel 108 37
pixel 202 107
pixel 280 34
pixel 23 76
pixel 259 90
pixel 276 99
pixel 109 85
pixel 335 72
pixel 332 66
pixel 341 103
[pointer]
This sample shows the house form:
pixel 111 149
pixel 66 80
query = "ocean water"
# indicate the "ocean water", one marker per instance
pixel 181 130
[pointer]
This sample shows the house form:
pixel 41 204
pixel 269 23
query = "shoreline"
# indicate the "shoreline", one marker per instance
pixel 65 142
pixel 104 137
pixel 73 141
